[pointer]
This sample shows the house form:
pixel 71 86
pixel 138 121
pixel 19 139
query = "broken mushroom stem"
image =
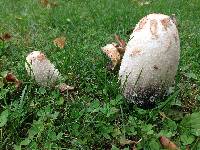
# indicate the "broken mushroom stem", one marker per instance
pixel 115 52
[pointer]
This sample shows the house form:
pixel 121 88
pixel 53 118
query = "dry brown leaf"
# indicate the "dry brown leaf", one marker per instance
pixel 44 2
pixel 64 87
pixel 5 37
pixel 11 78
pixel 59 42
pixel 167 144
pixel 48 3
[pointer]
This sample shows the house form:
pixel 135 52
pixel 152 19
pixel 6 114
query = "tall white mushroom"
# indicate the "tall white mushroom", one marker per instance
pixel 41 69
pixel 151 59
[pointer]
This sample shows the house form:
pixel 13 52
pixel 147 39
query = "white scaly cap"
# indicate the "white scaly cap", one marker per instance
pixel 41 69
pixel 151 58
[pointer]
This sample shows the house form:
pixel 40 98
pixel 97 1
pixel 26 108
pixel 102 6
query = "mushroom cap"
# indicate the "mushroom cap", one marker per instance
pixel 41 69
pixel 151 58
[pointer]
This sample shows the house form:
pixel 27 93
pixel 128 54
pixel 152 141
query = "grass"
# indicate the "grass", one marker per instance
pixel 94 115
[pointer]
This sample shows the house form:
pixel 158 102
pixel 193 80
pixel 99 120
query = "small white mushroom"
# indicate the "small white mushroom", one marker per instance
pixel 151 59
pixel 41 69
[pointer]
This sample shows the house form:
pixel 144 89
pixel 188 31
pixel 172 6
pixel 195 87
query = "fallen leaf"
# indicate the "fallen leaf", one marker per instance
pixel 5 37
pixel 11 78
pixel 59 42
pixel 64 87
pixel 167 144
pixel 48 3
pixel 44 2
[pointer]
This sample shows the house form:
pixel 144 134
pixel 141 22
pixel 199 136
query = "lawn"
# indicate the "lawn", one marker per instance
pixel 94 115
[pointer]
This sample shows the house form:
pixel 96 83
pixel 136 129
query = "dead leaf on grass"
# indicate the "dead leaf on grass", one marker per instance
pixel 5 37
pixel 48 4
pixel 167 144
pixel 59 42
pixel 11 78
pixel 44 2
